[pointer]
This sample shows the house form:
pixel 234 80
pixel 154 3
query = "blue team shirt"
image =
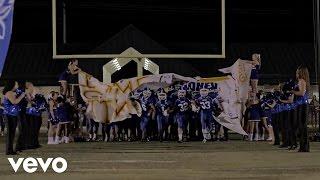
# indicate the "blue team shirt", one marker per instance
pixel 146 105
pixel 300 100
pixel 182 105
pixel 161 106
pixel 172 96
pixel 206 103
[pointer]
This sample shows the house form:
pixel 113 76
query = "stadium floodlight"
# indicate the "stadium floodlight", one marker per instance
pixel 55 55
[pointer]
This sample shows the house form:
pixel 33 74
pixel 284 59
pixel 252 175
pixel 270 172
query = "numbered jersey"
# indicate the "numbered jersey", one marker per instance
pixel 207 103
pixel 182 105
pixel 146 105
pixel 161 106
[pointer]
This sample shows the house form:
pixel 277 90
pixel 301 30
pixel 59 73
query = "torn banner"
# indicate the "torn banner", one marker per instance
pixel 110 102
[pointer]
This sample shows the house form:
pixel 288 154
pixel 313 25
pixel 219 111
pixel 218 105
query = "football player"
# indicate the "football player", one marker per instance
pixel 163 110
pixel 182 106
pixel 207 105
pixel 147 106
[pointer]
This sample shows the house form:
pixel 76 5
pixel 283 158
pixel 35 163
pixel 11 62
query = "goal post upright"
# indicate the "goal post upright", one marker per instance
pixel 55 54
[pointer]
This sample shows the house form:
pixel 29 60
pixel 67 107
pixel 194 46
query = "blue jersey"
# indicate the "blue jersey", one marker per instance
pixel 172 96
pixel 62 113
pixel 207 104
pixel 23 103
pixel 300 100
pixel 182 105
pixel 9 108
pixel 39 104
pixel 146 105
pixel 161 106
pixel 281 107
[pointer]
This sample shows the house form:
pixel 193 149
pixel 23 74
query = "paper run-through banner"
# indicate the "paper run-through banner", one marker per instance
pixel 111 103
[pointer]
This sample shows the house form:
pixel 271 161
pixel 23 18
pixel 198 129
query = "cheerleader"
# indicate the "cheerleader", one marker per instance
pixel 253 116
pixel 23 126
pixel 11 112
pixel 254 78
pixel 275 115
pixel 63 117
pixel 301 99
pixel 65 75
pixel 37 103
pixel 266 105
pixel 52 120
pixel 289 121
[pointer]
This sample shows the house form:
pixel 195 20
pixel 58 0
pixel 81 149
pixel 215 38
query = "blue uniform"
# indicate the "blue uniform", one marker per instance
pixel 53 121
pixel 255 72
pixel 23 103
pixel 38 106
pixel 301 100
pixel 146 106
pixel 266 112
pixel 62 114
pixel 172 96
pixel 65 75
pixel 162 120
pixel 254 112
pixel 182 105
pixel 9 108
pixel 207 105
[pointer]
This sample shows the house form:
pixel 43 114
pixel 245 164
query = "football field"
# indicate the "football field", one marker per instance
pixel 169 160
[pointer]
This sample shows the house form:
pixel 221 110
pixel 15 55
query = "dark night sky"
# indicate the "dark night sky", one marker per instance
pixel 169 21
pixel 281 30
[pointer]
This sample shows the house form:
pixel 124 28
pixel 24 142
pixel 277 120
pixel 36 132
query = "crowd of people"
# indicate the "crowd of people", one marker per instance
pixel 167 114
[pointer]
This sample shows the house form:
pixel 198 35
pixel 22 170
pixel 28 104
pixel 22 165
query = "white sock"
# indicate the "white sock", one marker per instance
pixel 50 140
pixel 250 137
pixel 180 136
pixel 66 139
pixel 62 139
pixel 57 139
